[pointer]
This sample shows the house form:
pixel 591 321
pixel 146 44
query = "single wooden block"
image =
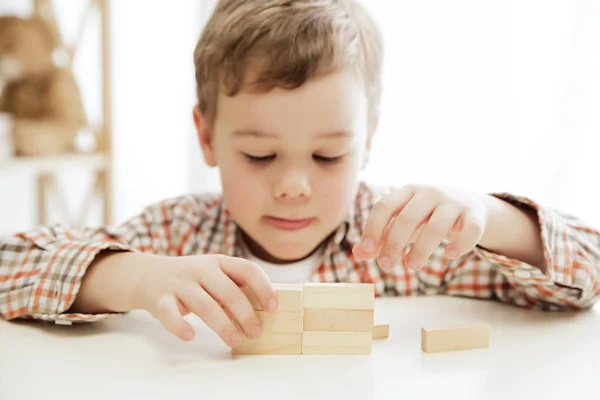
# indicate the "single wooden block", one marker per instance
pixel 355 296
pixel 289 297
pixel 381 331
pixel 337 320
pixel 466 337
pixel 336 342
pixel 271 343
pixel 280 321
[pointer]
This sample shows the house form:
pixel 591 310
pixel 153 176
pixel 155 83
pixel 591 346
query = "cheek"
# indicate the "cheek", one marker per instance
pixel 338 188
pixel 242 188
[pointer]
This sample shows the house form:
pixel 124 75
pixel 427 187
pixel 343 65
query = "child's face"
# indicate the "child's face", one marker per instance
pixel 289 161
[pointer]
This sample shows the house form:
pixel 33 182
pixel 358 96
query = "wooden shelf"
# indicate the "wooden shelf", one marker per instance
pixel 45 169
pixel 94 161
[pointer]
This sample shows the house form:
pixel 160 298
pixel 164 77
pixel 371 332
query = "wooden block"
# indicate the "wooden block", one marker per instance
pixel 281 321
pixel 466 337
pixel 381 331
pixel 355 296
pixel 381 327
pixel 289 297
pixel 271 343
pixel 336 342
pixel 337 320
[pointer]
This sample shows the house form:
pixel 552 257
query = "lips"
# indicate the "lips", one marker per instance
pixel 289 224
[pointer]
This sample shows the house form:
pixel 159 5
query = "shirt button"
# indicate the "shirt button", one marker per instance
pixel 522 274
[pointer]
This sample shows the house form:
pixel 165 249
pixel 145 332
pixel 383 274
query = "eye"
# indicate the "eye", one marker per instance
pixel 326 160
pixel 260 159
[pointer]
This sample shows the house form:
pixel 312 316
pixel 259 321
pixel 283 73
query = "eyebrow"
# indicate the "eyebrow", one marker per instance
pixel 336 134
pixel 261 134
pixel 252 133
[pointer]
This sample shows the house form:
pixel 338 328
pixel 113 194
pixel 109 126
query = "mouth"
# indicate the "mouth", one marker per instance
pixel 289 224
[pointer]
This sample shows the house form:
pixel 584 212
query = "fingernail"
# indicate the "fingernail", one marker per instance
pixel 272 305
pixel 450 252
pixel 255 332
pixel 413 264
pixel 236 339
pixel 188 335
pixel 385 262
pixel 368 244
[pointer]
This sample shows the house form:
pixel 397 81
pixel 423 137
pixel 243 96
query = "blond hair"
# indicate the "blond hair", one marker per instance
pixel 258 45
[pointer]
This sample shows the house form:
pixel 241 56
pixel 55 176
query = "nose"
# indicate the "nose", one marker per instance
pixel 292 185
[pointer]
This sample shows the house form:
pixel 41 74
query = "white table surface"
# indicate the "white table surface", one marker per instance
pixel 532 355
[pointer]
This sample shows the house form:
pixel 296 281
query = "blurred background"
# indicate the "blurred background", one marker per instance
pixel 478 94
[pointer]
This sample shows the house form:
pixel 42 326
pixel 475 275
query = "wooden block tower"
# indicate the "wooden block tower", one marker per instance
pixel 338 318
pixel 315 318
pixel 282 329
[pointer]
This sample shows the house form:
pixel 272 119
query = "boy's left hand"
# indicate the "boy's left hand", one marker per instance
pixel 425 216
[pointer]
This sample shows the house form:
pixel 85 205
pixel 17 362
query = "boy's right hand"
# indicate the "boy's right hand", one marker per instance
pixel 210 287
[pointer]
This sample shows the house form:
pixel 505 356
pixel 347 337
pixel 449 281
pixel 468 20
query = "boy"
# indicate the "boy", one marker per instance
pixel 288 94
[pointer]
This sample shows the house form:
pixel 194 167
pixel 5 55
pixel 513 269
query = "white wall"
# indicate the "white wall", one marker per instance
pixel 153 92
pixel 493 96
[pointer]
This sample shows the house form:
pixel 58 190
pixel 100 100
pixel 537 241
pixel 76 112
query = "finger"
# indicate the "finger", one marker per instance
pixel 247 273
pixel 440 223
pixel 381 215
pixel 183 310
pixel 206 308
pixel 227 293
pixel 406 223
pixel 359 251
pixel 458 226
pixel 471 233
pixel 167 313
pixel 416 234
pixel 455 231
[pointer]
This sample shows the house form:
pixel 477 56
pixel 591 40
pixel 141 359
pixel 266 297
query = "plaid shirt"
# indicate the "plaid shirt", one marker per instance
pixel 41 270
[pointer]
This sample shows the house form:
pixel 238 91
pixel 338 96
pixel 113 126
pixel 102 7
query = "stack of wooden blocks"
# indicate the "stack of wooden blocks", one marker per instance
pixel 316 318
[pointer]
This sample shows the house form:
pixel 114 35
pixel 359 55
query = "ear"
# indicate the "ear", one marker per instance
pixel 205 137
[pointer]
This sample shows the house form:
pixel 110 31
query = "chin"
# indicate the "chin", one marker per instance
pixel 284 247
pixel 290 253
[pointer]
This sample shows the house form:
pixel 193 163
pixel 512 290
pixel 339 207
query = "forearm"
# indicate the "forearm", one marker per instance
pixel 513 232
pixel 110 283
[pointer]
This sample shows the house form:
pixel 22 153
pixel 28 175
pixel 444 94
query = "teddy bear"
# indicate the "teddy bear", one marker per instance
pixel 42 99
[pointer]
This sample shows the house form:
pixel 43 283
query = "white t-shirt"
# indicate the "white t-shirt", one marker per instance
pixel 297 272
